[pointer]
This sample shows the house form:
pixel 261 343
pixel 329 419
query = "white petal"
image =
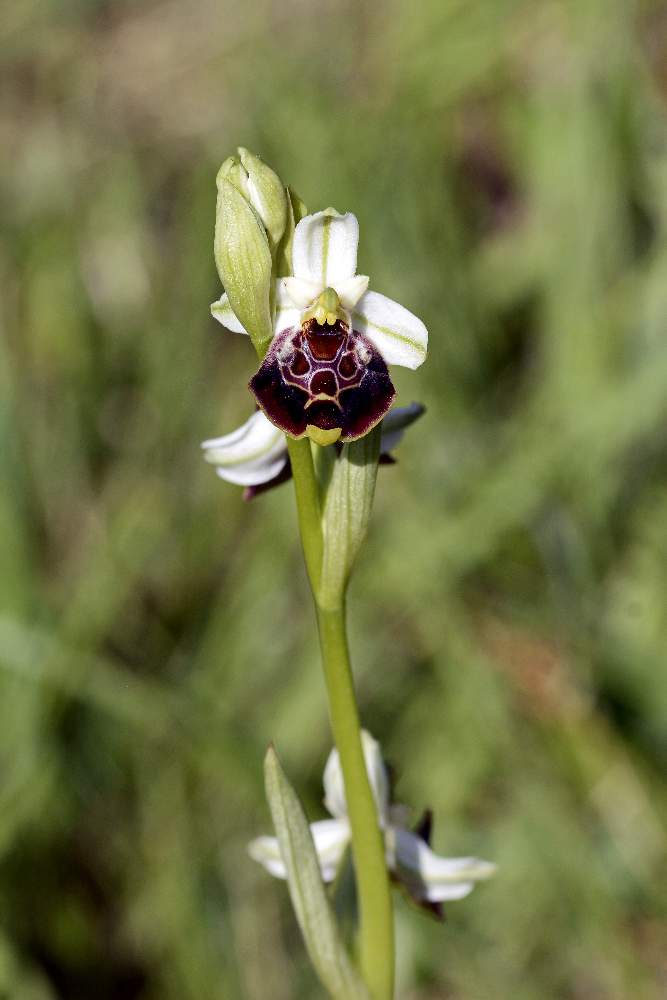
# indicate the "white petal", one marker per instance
pixel 330 836
pixel 287 314
pixel 222 311
pixel 447 891
pixel 351 289
pixel 435 878
pixel 400 337
pixel 297 292
pixel 286 318
pixel 325 248
pixel 395 424
pixel 334 789
pixel 253 454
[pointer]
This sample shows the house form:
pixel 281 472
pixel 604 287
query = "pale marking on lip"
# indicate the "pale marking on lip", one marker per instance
pixel 323 398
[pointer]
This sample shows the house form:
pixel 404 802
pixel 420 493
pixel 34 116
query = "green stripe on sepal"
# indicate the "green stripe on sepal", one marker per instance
pixel 243 259
pixel 309 897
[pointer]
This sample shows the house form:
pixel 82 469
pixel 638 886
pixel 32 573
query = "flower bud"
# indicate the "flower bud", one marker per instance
pixel 243 256
pixel 266 194
pixel 232 171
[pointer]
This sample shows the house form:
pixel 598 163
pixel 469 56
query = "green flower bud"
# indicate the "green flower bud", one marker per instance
pixel 243 257
pixel 232 171
pixel 266 194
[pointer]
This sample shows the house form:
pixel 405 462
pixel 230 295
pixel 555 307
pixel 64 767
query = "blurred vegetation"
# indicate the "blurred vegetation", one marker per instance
pixel 508 164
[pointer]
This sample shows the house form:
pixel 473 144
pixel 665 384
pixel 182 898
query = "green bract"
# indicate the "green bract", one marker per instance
pixel 311 903
pixel 347 510
pixel 251 216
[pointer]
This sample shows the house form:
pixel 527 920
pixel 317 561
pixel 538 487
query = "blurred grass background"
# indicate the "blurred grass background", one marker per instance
pixel 508 164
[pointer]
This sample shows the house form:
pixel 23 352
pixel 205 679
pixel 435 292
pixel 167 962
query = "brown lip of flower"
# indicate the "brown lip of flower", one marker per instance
pixel 317 378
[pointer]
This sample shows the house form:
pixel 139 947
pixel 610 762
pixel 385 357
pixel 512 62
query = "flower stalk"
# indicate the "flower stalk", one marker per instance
pixel 323 388
pixel 376 926
pixel 308 507
pixel 376 923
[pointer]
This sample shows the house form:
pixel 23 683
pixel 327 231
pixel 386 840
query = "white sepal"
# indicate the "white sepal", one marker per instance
pixel 334 789
pixel 249 456
pixel 400 337
pixel 331 837
pixel 435 879
pixel 223 312
pixel 325 248
pixel 266 852
pixel 286 313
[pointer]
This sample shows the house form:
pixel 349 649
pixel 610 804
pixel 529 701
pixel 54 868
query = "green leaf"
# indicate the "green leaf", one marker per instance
pixel 347 509
pixel 309 897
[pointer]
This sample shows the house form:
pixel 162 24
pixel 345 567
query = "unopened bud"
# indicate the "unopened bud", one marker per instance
pixel 243 259
pixel 266 194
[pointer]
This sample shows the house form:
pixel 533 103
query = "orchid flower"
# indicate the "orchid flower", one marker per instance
pixel 325 375
pixel 255 454
pixel 428 878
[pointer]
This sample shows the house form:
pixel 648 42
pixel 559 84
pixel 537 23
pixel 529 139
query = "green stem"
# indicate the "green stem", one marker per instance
pixel 376 932
pixel 308 506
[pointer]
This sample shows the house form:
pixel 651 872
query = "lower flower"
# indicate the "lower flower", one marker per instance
pixel 255 455
pixel 427 877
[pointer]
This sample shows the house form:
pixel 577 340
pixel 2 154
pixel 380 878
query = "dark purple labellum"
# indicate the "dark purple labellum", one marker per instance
pixel 325 377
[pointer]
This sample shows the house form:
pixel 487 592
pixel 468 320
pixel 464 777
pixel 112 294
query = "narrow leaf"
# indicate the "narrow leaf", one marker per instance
pixel 309 898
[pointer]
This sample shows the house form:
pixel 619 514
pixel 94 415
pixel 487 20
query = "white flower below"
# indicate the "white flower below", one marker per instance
pixel 324 255
pixel 256 452
pixel 251 455
pixel 429 878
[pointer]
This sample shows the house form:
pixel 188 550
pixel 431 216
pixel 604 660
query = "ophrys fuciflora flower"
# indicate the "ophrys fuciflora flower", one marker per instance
pixel 325 374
